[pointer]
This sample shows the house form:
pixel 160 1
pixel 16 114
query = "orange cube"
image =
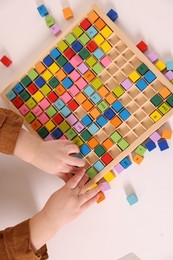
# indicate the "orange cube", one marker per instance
pixel 138 158
pixel 101 197
pixel 68 13
pixel 167 134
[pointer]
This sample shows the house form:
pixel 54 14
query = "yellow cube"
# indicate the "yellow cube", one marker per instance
pixel 106 46
pixel 160 65
pixel 134 76
pixel 109 176
pixel 155 116
pixel 38 96
pixel 106 31
pixel 98 39
pixel 47 75
pixel 50 125
pixel 54 68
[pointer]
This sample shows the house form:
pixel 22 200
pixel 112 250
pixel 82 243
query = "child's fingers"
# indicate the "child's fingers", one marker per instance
pixel 72 149
pixel 83 181
pixel 74 161
pixel 90 194
pixel 90 202
pixel 73 182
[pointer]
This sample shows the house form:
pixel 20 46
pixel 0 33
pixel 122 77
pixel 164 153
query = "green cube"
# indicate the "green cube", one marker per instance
pixel 51 111
pixel 32 74
pixel 118 91
pixel 64 126
pixel 142 69
pixel 115 137
pixel 30 117
pixel 54 82
pixel 85 135
pixel 70 38
pixel 170 100
pixel 91 172
pixel 43 132
pixel 84 53
pixel 84 39
pixel 77 31
pixel 164 108
pixel 98 68
pixel 25 95
pixel 31 103
pixel 91 61
pixel 62 46
pixel 49 21
pixel 140 150
pixel 45 89
pixel 99 150
pixel 123 144
pixel 61 61
pixel 156 100
pixel 96 83
pixel 26 81
pixel 103 106
pixel 70 134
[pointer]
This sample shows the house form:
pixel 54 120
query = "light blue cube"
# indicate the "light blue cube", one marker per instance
pixel 132 199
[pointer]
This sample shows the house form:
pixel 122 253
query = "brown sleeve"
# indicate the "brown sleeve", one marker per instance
pixel 10 125
pixel 15 244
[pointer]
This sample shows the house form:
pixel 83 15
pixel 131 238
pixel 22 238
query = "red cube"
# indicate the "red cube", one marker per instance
pixel 6 61
pixel 142 46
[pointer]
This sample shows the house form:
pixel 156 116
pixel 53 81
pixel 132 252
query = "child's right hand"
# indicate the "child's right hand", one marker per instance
pixel 62 207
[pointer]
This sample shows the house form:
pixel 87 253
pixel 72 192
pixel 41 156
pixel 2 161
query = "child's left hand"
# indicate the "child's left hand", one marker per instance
pixel 54 157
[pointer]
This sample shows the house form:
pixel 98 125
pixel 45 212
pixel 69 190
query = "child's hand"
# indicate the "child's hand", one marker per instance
pixel 62 207
pixel 54 157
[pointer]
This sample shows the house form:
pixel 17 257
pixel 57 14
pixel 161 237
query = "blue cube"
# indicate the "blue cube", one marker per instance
pixel 98 54
pixel 163 145
pixel 57 133
pixel 101 121
pixel 67 83
pixel 109 114
pixel 11 95
pixel 40 82
pixel 89 91
pixel 93 128
pixel 92 31
pixel 68 68
pixel 149 76
pixel 141 84
pixel 65 111
pixel 112 15
pixel 132 199
pixel 59 104
pixel 95 98
pixel 124 114
pixel 18 88
pixel 42 10
pixel 77 46
pixel 86 120
pixel 48 60
pixel 126 163
pixel 98 166
pixel 117 106
pixel 84 149
pixel 150 145
pixel 55 53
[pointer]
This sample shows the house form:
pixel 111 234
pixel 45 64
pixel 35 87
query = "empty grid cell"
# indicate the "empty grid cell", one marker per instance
pixel 131 137
pixel 140 99
pixel 125 99
pixel 101 135
pixel 135 62
pixel 147 123
pixel 112 83
pixel 149 92
pixel 148 108
pixel 109 128
pixel 115 151
pixel 91 158
pixel 139 130
pixel 128 54
pixel 113 54
pixel 123 129
pixel 132 122
pixel 120 61
pixel 121 46
pixel 114 39
pixel 127 69
pixel 119 76
pixel 132 107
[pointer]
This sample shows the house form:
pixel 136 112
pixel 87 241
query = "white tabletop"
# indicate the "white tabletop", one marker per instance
pixel 112 228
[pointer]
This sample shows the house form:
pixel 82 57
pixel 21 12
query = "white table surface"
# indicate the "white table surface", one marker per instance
pixel 112 228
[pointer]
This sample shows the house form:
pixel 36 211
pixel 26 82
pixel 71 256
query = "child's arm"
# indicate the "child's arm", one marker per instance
pixel 54 157
pixel 62 207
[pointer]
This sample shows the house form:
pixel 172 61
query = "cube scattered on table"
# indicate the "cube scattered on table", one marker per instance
pixel 132 199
